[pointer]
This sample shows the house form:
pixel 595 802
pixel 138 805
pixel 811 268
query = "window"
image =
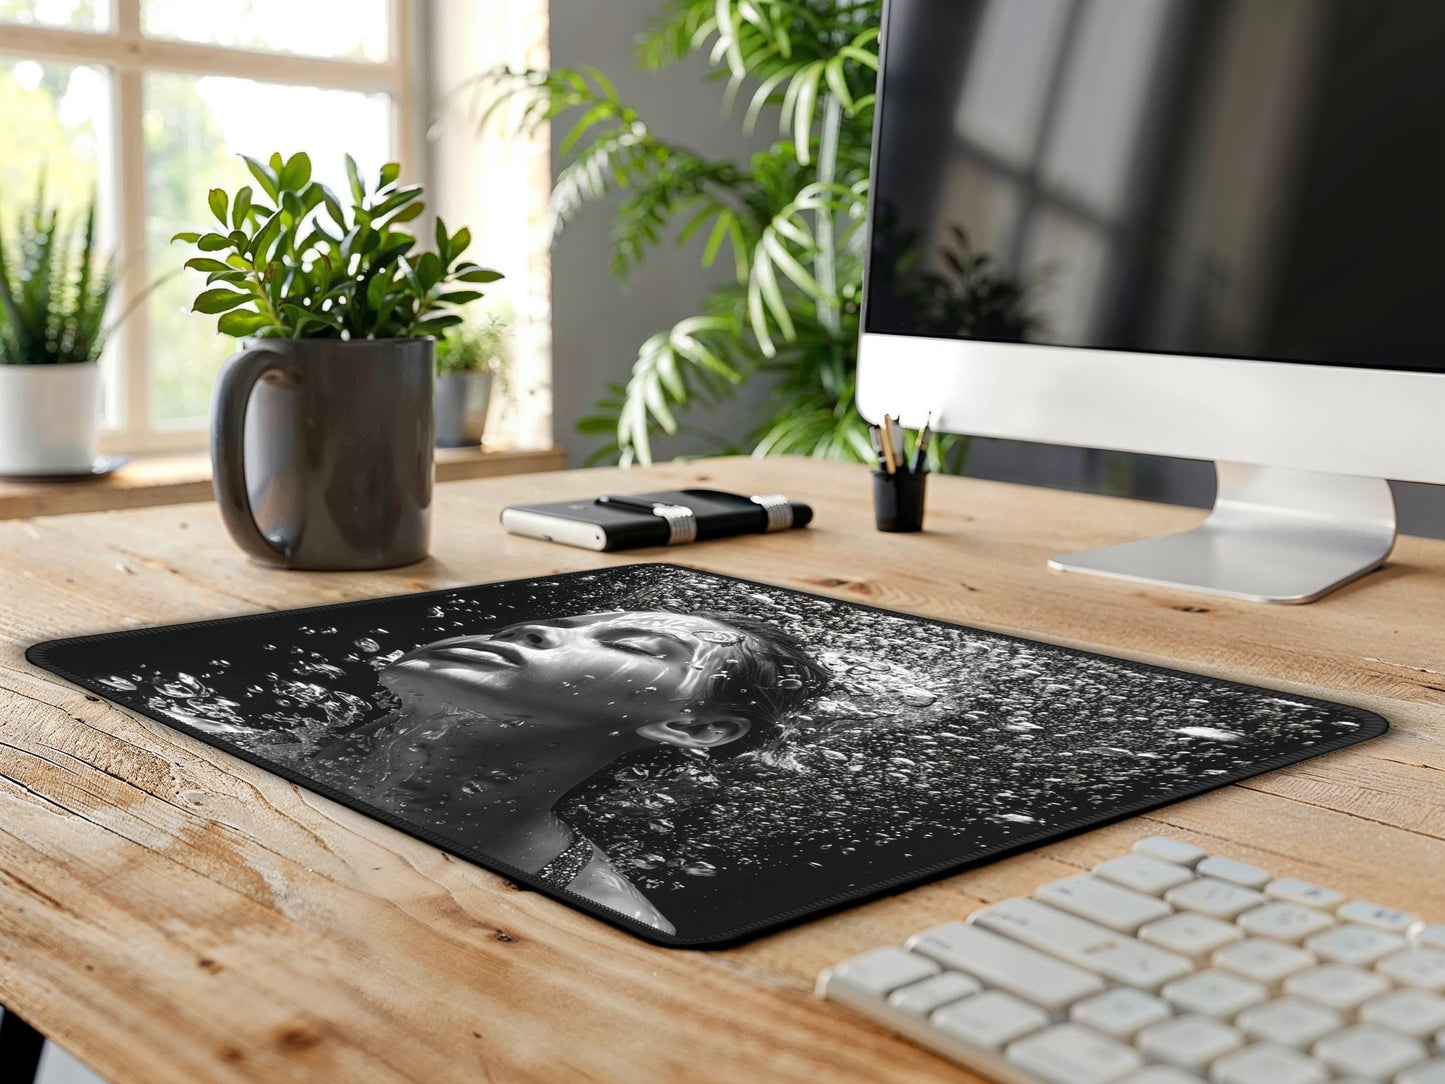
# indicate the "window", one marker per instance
pixel 146 104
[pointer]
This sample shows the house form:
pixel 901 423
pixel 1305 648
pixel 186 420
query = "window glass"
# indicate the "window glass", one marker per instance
pixel 71 14
pixel 350 29
pixel 194 129
pixel 57 128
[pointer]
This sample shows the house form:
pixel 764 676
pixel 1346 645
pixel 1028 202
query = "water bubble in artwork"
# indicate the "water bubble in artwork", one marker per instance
pixel 716 636
pixel 1211 732
pixel 367 644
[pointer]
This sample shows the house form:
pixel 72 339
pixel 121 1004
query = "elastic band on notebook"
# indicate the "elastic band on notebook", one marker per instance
pixel 778 508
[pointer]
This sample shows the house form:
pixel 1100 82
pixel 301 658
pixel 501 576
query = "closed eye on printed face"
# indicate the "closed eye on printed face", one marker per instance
pixel 646 642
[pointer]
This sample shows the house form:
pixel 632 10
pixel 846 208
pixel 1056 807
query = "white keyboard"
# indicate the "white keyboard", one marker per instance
pixel 1168 966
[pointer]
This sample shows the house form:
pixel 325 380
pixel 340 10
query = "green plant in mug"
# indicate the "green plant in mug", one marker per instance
pixel 53 290
pixel 293 261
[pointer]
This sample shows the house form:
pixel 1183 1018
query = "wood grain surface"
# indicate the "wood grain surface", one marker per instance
pixel 169 913
pixel 154 480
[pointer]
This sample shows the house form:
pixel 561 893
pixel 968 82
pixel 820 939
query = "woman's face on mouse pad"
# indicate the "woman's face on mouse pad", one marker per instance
pixel 621 669
pixel 692 756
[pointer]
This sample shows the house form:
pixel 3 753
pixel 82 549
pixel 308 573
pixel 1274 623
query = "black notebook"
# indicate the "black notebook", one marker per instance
pixel 620 523
pixel 692 757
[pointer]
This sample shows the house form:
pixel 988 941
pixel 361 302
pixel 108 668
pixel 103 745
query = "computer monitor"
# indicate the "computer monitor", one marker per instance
pixel 1202 228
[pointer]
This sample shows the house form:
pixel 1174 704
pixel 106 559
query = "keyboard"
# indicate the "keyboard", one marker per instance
pixel 1167 965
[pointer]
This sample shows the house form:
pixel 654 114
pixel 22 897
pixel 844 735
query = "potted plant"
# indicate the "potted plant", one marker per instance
pixel 322 425
pixel 472 360
pixel 54 290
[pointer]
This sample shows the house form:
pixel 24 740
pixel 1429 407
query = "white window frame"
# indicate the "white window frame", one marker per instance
pixel 128 54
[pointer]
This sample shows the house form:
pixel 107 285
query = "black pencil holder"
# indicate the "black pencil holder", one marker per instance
pixel 898 500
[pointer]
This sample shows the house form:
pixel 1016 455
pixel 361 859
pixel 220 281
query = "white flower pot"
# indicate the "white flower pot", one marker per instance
pixel 49 418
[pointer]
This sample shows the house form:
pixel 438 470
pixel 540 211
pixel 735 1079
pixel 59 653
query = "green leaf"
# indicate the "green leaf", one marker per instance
pixel 204 263
pixel 213 242
pixel 429 270
pixel 459 243
pixel 353 175
pixel 333 207
pixel 389 173
pixel 240 324
pixel 297 171
pixel 218 300
pixel 460 297
pixel 436 324
pixel 241 206
pixel 479 274
pixel 188 237
pixel 216 199
pixel 265 177
pixel 407 213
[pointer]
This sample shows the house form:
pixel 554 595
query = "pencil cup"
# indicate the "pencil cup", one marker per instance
pixel 898 500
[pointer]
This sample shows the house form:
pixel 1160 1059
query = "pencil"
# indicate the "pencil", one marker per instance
pixel 921 448
pixel 889 457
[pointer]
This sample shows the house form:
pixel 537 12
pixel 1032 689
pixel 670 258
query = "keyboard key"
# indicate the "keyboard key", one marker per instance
pixel 1430 936
pixel 1420 967
pixel 1267 962
pixel 1143 874
pixel 1369 1052
pixel 1083 944
pixel 1414 1012
pixel 1103 902
pixel 878 973
pixel 998 962
pixel 1284 922
pixel 1161 1074
pixel 1217 899
pixel 1170 850
pixel 1188 1042
pixel 1214 993
pixel 1337 986
pixel 990 1020
pixel 1289 1021
pixel 1120 1012
pixel 1430 1072
pixel 922 998
pixel 1266 1064
pixel 1070 1054
pixel 1358 945
pixel 1195 936
pixel 1304 894
pixel 1377 917
pixel 1227 869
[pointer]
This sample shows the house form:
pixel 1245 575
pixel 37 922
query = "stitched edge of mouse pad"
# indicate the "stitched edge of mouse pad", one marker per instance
pixel 1368 725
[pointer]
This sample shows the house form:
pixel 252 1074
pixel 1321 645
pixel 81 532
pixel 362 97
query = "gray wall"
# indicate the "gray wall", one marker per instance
pixel 598 323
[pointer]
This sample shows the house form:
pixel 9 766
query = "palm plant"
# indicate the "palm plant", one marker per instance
pixel 53 291
pixel 789 218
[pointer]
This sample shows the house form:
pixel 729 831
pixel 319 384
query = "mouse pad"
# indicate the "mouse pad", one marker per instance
pixel 691 757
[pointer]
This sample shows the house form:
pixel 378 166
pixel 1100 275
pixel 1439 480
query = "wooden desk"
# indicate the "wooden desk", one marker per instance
pixel 168 913
pixel 152 480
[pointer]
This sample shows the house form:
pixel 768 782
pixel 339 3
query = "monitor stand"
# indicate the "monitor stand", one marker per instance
pixel 1275 535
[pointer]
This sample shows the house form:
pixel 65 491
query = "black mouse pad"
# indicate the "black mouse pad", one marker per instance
pixel 692 757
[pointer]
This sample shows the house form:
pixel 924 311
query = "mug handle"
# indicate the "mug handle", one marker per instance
pixel 228 453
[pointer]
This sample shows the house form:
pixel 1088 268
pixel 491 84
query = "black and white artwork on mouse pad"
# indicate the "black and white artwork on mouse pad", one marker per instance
pixel 694 757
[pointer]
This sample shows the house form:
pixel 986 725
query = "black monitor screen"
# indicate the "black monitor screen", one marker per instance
pixel 1239 178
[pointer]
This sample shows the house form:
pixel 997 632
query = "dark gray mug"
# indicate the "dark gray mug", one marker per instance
pixel 322 451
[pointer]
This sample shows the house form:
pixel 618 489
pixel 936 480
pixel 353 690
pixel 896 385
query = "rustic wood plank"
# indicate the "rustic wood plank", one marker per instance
pixel 151 481
pixel 168 913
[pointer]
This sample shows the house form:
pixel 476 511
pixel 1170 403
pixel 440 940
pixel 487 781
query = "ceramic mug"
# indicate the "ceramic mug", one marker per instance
pixel 322 451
